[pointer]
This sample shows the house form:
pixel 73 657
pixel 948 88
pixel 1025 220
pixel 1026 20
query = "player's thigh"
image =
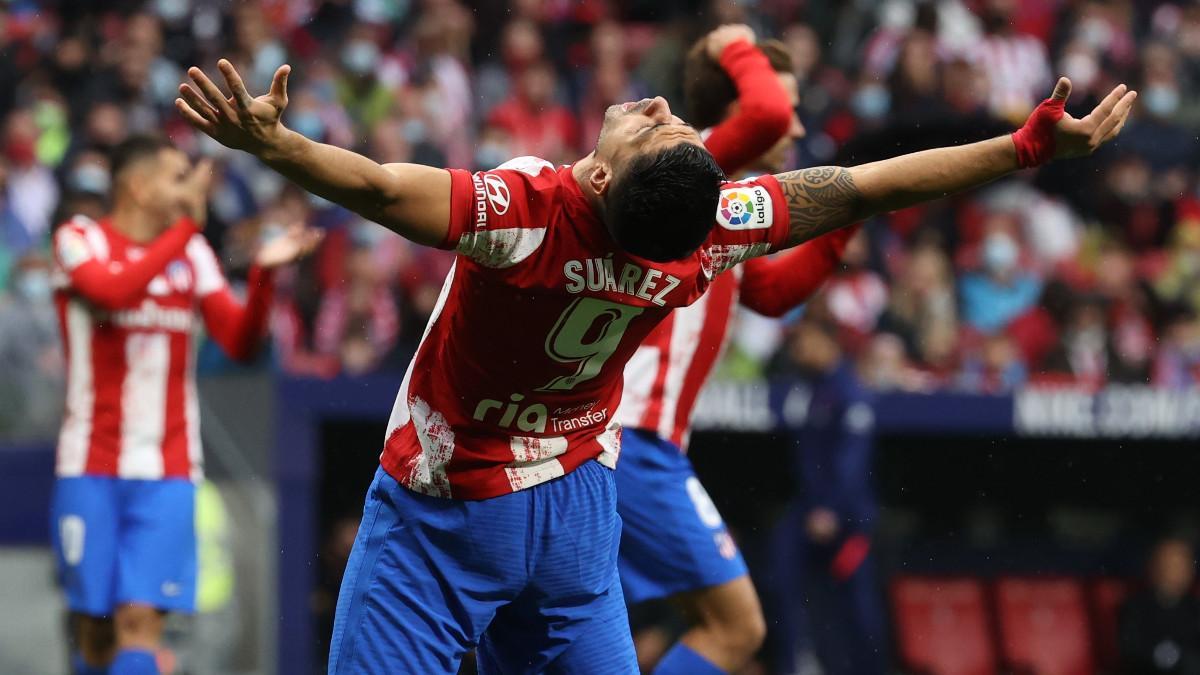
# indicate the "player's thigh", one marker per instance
pixel 156 556
pixel 573 603
pixel 673 537
pixel 409 601
pixel 84 521
pixel 591 637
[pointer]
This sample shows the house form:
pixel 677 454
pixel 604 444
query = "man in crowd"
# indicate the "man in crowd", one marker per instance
pixel 828 602
pixel 492 520
pixel 1160 627
pixel 129 288
pixel 745 97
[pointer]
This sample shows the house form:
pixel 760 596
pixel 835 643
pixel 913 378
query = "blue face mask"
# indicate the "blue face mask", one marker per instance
pixel 1000 253
pixel 89 178
pixel 360 57
pixel 34 286
pixel 309 124
pixel 871 102
pixel 1161 100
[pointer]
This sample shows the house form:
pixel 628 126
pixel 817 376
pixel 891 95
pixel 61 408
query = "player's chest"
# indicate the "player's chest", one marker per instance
pixel 175 284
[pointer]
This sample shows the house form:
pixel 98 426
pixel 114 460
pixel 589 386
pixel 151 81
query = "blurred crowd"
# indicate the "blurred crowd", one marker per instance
pixel 1087 272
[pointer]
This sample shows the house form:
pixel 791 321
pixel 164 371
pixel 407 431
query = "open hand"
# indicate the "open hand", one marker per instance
pixel 1080 137
pixel 297 241
pixel 723 36
pixel 238 121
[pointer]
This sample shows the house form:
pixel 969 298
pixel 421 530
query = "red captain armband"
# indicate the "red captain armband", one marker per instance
pixel 1035 140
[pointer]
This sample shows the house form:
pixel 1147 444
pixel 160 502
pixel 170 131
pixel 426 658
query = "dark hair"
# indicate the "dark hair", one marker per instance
pixel 663 205
pixel 135 149
pixel 708 89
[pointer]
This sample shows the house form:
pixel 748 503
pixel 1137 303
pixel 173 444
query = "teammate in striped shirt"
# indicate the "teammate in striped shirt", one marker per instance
pixel 492 520
pixel 128 291
pixel 673 541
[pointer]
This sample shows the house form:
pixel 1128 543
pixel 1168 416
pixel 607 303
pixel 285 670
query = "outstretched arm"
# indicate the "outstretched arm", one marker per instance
pixel 825 198
pixel 764 110
pixel 409 199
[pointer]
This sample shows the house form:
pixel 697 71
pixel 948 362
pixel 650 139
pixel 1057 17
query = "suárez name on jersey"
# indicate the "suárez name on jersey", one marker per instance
pixel 598 274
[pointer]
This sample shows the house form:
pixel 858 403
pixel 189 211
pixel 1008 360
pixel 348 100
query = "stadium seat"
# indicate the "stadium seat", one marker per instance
pixel 942 626
pixel 1044 627
pixel 1106 597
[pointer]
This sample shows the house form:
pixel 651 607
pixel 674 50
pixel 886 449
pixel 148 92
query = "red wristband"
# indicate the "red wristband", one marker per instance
pixel 1035 140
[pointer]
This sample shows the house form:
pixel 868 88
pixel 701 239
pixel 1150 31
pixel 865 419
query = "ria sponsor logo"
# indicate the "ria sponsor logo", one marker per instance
pixel 533 418
pixel 598 274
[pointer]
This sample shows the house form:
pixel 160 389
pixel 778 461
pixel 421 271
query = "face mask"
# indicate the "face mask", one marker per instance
pixel 871 102
pixel 33 286
pixel 360 57
pixel 414 130
pixel 172 10
pixel 1095 32
pixel 1081 68
pixel 309 124
pixel 267 60
pixel 1000 253
pixel 490 155
pixel 1161 100
pixel 89 178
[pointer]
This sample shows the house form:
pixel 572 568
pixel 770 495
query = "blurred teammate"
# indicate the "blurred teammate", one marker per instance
pixel 129 288
pixel 674 541
pixel 492 519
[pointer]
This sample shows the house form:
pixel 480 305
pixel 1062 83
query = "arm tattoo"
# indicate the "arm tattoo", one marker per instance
pixel 820 200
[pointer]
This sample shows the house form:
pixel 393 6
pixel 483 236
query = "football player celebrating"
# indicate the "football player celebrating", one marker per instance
pixel 129 289
pixel 492 519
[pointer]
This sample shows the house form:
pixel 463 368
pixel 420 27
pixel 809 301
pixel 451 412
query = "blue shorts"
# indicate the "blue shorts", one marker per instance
pixel 529 577
pixel 673 539
pixel 119 541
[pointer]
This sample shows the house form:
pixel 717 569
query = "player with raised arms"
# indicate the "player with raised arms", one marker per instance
pixel 492 520
pixel 129 290
pixel 674 542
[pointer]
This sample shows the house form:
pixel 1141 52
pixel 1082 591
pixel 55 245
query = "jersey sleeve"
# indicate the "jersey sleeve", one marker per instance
pixel 773 286
pixel 81 254
pixel 764 110
pixel 209 278
pixel 752 220
pixel 500 217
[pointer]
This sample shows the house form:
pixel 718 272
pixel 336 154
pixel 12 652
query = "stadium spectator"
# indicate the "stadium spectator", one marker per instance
pixel 1160 627
pixel 826 599
pixel 31 356
pixel 1001 290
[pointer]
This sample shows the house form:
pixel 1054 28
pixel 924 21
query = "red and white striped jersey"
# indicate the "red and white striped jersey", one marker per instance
pixel 664 378
pixel 128 315
pixel 666 374
pixel 518 376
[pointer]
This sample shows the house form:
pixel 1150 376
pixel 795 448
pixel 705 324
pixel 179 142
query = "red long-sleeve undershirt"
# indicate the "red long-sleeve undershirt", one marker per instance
pixel 117 290
pixel 770 286
pixel 764 109
pixel 773 286
pixel 237 328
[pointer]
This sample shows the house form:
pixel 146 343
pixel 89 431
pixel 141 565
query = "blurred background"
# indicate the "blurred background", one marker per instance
pixel 1009 481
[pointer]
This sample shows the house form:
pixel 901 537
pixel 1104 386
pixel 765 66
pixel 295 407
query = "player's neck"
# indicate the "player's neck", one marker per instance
pixel 135 224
